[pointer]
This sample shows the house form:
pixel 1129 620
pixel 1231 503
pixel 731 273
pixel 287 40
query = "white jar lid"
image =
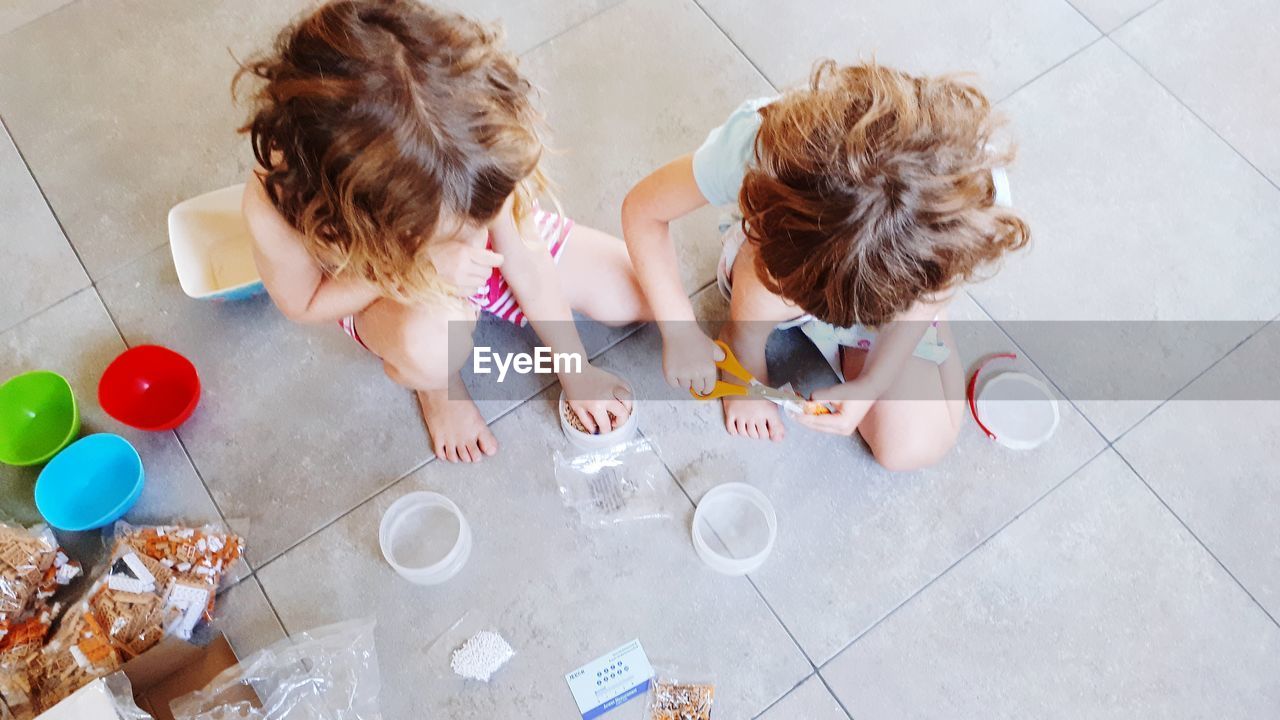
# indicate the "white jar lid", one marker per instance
pixel 1013 408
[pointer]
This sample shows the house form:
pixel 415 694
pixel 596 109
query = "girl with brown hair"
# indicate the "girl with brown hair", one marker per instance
pixel 398 171
pixel 865 199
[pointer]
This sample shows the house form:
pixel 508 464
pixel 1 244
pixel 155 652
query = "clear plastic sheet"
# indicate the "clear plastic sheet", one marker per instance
pixel 329 673
pixel 616 485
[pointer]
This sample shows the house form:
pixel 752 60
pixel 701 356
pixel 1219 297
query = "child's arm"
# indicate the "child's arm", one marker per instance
pixel 894 346
pixel 531 273
pixel 293 280
pixel 670 192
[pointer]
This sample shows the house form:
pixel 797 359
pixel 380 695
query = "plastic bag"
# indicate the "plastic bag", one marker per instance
pixel 450 656
pixel 330 673
pixel 183 566
pixel 32 569
pixel 675 695
pixel 615 485
pixel 158 581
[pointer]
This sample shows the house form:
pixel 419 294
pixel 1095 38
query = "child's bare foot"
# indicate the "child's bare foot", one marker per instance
pixel 754 418
pixel 458 431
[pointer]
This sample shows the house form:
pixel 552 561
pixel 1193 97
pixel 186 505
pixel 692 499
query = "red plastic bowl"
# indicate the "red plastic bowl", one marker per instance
pixel 150 388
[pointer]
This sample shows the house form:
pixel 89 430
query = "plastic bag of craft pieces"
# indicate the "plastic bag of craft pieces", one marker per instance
pixel 32 569
pixel 159 581
pixel 678 695
pixel 330 673
pixel 614 485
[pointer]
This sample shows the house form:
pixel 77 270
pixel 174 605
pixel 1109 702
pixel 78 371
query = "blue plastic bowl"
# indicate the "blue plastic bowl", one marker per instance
pixel 92 483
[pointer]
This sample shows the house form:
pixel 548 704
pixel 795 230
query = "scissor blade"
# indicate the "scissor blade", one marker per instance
pixel 781 397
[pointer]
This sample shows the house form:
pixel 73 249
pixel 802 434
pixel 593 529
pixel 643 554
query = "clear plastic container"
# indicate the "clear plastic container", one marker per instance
pixel 587 441
pixel 425 538
pixel 734 528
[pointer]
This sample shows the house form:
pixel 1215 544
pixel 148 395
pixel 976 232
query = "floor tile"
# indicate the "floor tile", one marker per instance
pixel 1006 42
pixel 1138 213
pixel 119 130
pixel 528 24
pixel 1211 456
pixel 40 267
pixel 810 701
pixel 854 540
pixel 1111 14
pixel 76 339
pixel 560 593
pixel 245 617
pixel 1221 59
pixel 16 13
pixel 628 91
pixel 1096 603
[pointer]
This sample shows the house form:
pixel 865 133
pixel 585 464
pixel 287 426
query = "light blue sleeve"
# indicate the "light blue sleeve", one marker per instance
pixel 721 162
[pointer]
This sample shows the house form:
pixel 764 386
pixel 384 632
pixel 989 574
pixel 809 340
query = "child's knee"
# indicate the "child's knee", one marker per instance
pixel 914 451
pixel 426 353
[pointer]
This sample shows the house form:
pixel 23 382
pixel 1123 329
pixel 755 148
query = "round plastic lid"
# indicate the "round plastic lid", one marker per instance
pixel 1017 410
pixel 734 528
pixel 425 538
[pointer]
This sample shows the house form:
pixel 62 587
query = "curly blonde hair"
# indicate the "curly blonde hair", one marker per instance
pixel 872 189
pixel 381 124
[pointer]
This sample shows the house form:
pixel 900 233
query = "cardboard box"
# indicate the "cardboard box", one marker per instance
pixel 168 671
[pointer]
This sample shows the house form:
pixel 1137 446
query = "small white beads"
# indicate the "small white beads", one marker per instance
pixel 481 656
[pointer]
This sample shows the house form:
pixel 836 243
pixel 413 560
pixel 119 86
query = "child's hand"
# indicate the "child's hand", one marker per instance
pixel 689 358
pixel 594 395
pixel 848 403
pixel 464 266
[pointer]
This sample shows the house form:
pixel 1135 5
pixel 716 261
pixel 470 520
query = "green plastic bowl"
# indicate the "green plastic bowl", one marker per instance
pixel 38 417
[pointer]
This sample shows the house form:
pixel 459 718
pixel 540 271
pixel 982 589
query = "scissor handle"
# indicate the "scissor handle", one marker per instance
pixel 731 365
pixel 721 389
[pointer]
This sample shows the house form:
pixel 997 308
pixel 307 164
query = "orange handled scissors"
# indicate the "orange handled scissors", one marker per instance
pixel 754 388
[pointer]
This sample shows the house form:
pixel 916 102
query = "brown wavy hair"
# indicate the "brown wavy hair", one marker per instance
pixel 381 124
pixel 872 190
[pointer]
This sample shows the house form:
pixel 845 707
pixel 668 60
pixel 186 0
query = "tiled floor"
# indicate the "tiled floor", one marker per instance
pixel 1130 568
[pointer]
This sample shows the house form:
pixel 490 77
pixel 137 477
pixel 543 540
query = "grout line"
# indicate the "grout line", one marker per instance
pixel 831 691
pixel 1135 16
pixel 784 696
pixel 961 559
pixel 736 46
pixel 1196 115
pixel 617 3
pixel 1049 69
pixel 263 589
pixel 42 310
pixel 37 18
pixel 812 665
pixel 1196 537
pixel 1086 18
pixel 4 127
pixel 1262 326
